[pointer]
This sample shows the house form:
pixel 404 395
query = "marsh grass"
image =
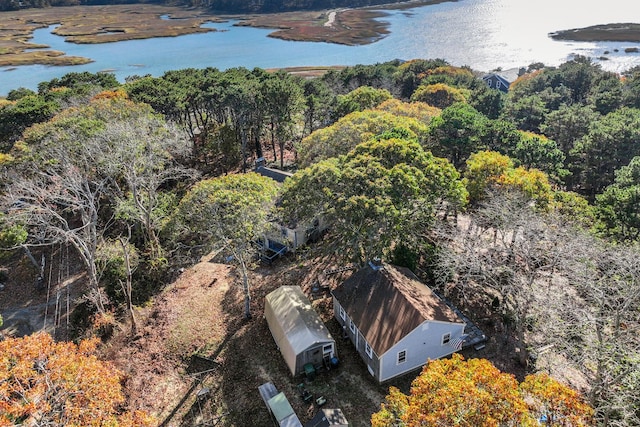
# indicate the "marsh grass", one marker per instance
pixel 599 33
pixel 91 24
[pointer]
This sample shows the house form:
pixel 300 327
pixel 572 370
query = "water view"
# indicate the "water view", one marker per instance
pixel 484 34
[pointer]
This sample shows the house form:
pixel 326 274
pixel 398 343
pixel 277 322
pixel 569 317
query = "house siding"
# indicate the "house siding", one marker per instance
pixel 372 362
pixel 423 344
pixel 358 340
pixel 497 82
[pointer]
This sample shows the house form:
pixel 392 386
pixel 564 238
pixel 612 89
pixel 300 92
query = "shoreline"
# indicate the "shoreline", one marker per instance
pixel 113 23
pixel 618 32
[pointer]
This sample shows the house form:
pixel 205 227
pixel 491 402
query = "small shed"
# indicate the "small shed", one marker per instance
pixel 328 418
pixel 279 407
pixel 297 329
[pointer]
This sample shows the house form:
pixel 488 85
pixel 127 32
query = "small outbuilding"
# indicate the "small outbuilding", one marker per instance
pixel 279 407
pixel 298 331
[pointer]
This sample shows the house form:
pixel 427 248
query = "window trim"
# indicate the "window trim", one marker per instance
pixel 368 350
pixel 446 338
pixel 402 354
pixel 343 315
pixel 352 326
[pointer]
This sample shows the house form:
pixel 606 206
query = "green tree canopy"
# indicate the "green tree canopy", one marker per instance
pixel 351 130
pixel 619 204
pixel 282 102
pixel 384 191
pixel 537 151
pixel 410 74
pixel 416 110
pixel 16 116
pixel 488 170
pixel 457 133
pixel 568 124
pixel 439 95
pixel 360 99
pixel 610 144
pixel 227 213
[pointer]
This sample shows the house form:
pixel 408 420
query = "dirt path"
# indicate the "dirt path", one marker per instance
pixel 331 19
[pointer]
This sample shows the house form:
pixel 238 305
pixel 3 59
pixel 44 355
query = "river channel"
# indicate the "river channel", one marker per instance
pixel 483 34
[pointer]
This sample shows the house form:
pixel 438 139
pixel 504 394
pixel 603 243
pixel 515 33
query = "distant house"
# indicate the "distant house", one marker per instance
pixel 285 238
pixel 395 322
pixel 496 81
pixel 297 329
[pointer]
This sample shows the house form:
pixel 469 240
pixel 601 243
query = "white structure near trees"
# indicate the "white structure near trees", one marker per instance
pixel 297 329
pixel 396 322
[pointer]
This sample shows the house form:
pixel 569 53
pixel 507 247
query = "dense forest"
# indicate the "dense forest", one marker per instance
pixel 230 6
pixel 524 204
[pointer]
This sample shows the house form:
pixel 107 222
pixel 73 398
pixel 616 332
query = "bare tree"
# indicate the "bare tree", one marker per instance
pixel 558 288
pixel 68 167
pixel 602 328
pixel 61 205
pixel 142 158
pixel 509 251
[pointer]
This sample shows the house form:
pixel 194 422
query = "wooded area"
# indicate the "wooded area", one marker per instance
pixel 520 207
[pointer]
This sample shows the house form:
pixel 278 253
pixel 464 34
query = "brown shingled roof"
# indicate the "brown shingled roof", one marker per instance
pixel 389 303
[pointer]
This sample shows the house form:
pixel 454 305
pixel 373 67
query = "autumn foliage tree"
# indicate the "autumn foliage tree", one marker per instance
pixel 43 382
pixel 455 392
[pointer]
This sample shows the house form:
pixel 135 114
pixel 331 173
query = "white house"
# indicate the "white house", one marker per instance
pixel 396 323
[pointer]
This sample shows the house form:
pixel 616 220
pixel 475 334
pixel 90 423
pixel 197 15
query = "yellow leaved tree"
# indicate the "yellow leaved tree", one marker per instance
pixel 43 382
pixel 474 393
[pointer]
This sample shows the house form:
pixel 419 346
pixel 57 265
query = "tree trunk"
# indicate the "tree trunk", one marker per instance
pixel 127 287
pixel 281 155
pixel 273 142
pixel 245 286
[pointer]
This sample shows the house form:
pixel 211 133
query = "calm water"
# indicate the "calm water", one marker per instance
pixel 484 34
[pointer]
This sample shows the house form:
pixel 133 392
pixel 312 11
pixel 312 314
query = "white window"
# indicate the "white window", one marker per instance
pixel 327 350
pixel 368 349
pixel 402 356
pixel 489 82
pixel 342 313
pixel 446 338
pixel 352 326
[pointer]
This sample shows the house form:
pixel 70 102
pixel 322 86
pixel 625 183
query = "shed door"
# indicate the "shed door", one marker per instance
pixel 327 351
pixel 314 356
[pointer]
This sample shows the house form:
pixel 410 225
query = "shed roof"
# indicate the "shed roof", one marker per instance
pixel 280 406
pixel 297 318
pixel 388 303
pixel 275 174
